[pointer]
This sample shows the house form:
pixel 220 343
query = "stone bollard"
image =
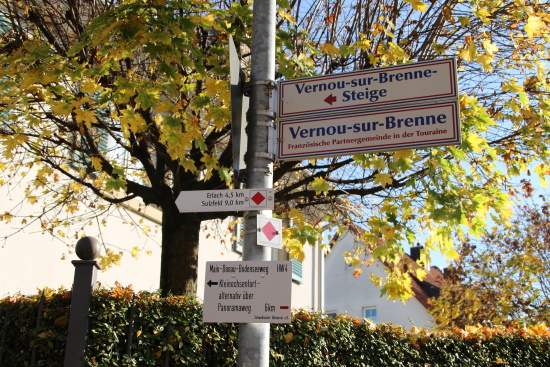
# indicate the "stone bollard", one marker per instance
pixel 85 274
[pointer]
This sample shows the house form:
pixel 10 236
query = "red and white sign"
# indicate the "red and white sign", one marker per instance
pixel 270 232
pixel 396 128
pixel 420 82
pixel 225 200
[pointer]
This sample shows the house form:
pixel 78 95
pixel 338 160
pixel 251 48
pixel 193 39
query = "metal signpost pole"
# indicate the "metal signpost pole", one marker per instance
pixel 254 337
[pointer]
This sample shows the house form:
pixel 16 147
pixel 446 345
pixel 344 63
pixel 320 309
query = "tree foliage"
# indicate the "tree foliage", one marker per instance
pixel 503 278
pixel 151 76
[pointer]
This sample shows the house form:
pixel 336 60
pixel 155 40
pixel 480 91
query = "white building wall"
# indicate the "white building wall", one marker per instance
pixel 31 260
pixel 348 294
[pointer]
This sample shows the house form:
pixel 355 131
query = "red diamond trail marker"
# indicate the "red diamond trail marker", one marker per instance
pixel 258 198
pixel 269 232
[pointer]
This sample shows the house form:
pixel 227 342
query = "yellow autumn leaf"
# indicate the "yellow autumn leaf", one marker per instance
pixel 76 187
pixel 207 19
pixel 45 334
pixel 298 254
pixel 286 16
pixel 383 179
pixel 512 86
pixel 483 14
pixel 475 142
pixel 218 87
pixel 96 162
pixel 330 49
pixel 543 172
pixel 210 163
pixel 135 252
pixel 363 43
pixel 418 5
pixel 352 259
pixel 11 142
pixel 379 164
pixel 289 337
pixel 298 218
pixel 486 62
pixel 357 272
pixel 188 165
pixel 402 154
pixel 99 38
pixel 86 117
pixel 305 60
pixel 535 26
pixel 132 122
pixel 540 330
pixel 490 48
pixel 89 86
pixel 61 108
pixel 320 185
pixel 388 232
pixel 469 53
pixel 7 217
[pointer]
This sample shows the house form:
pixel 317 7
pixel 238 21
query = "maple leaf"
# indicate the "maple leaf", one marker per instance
pixel 320 185
pixel 475 142
pixel 96 163
pixel 210 162
pixel 85 116
pixel 286 16
pixel 534 27
pixel 147 98
pixel 132 122
pixel 11 142
pixel 89 86
pixel 330 49
pixel 383 179
pixel 540 330
pixel 469 53
pixel 490 48
pixel 486 62
pixel 225 174
pixel 418 5
pixel 401 154
pixel 115 184
pixel 61 108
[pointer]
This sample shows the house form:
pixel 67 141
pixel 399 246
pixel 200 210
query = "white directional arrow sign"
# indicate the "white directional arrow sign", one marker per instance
pixel 248 291
pixel 225 200
pixel 419 82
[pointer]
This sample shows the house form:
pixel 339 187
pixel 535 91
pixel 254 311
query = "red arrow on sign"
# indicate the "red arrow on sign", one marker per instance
pixel 330 99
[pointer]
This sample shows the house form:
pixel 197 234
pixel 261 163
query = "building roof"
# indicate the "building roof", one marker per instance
pixel 428 287
pixel 424 289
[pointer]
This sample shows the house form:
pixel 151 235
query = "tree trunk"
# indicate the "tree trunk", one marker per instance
pixel 180 253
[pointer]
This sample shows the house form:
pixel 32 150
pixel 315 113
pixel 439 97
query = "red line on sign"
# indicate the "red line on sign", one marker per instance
pixel 284 307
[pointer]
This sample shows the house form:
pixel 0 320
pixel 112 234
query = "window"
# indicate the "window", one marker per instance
pixel 370 313
pixel 297 271
pixel 239 235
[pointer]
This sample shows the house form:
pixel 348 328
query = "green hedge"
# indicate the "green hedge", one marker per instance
pixel 170 330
